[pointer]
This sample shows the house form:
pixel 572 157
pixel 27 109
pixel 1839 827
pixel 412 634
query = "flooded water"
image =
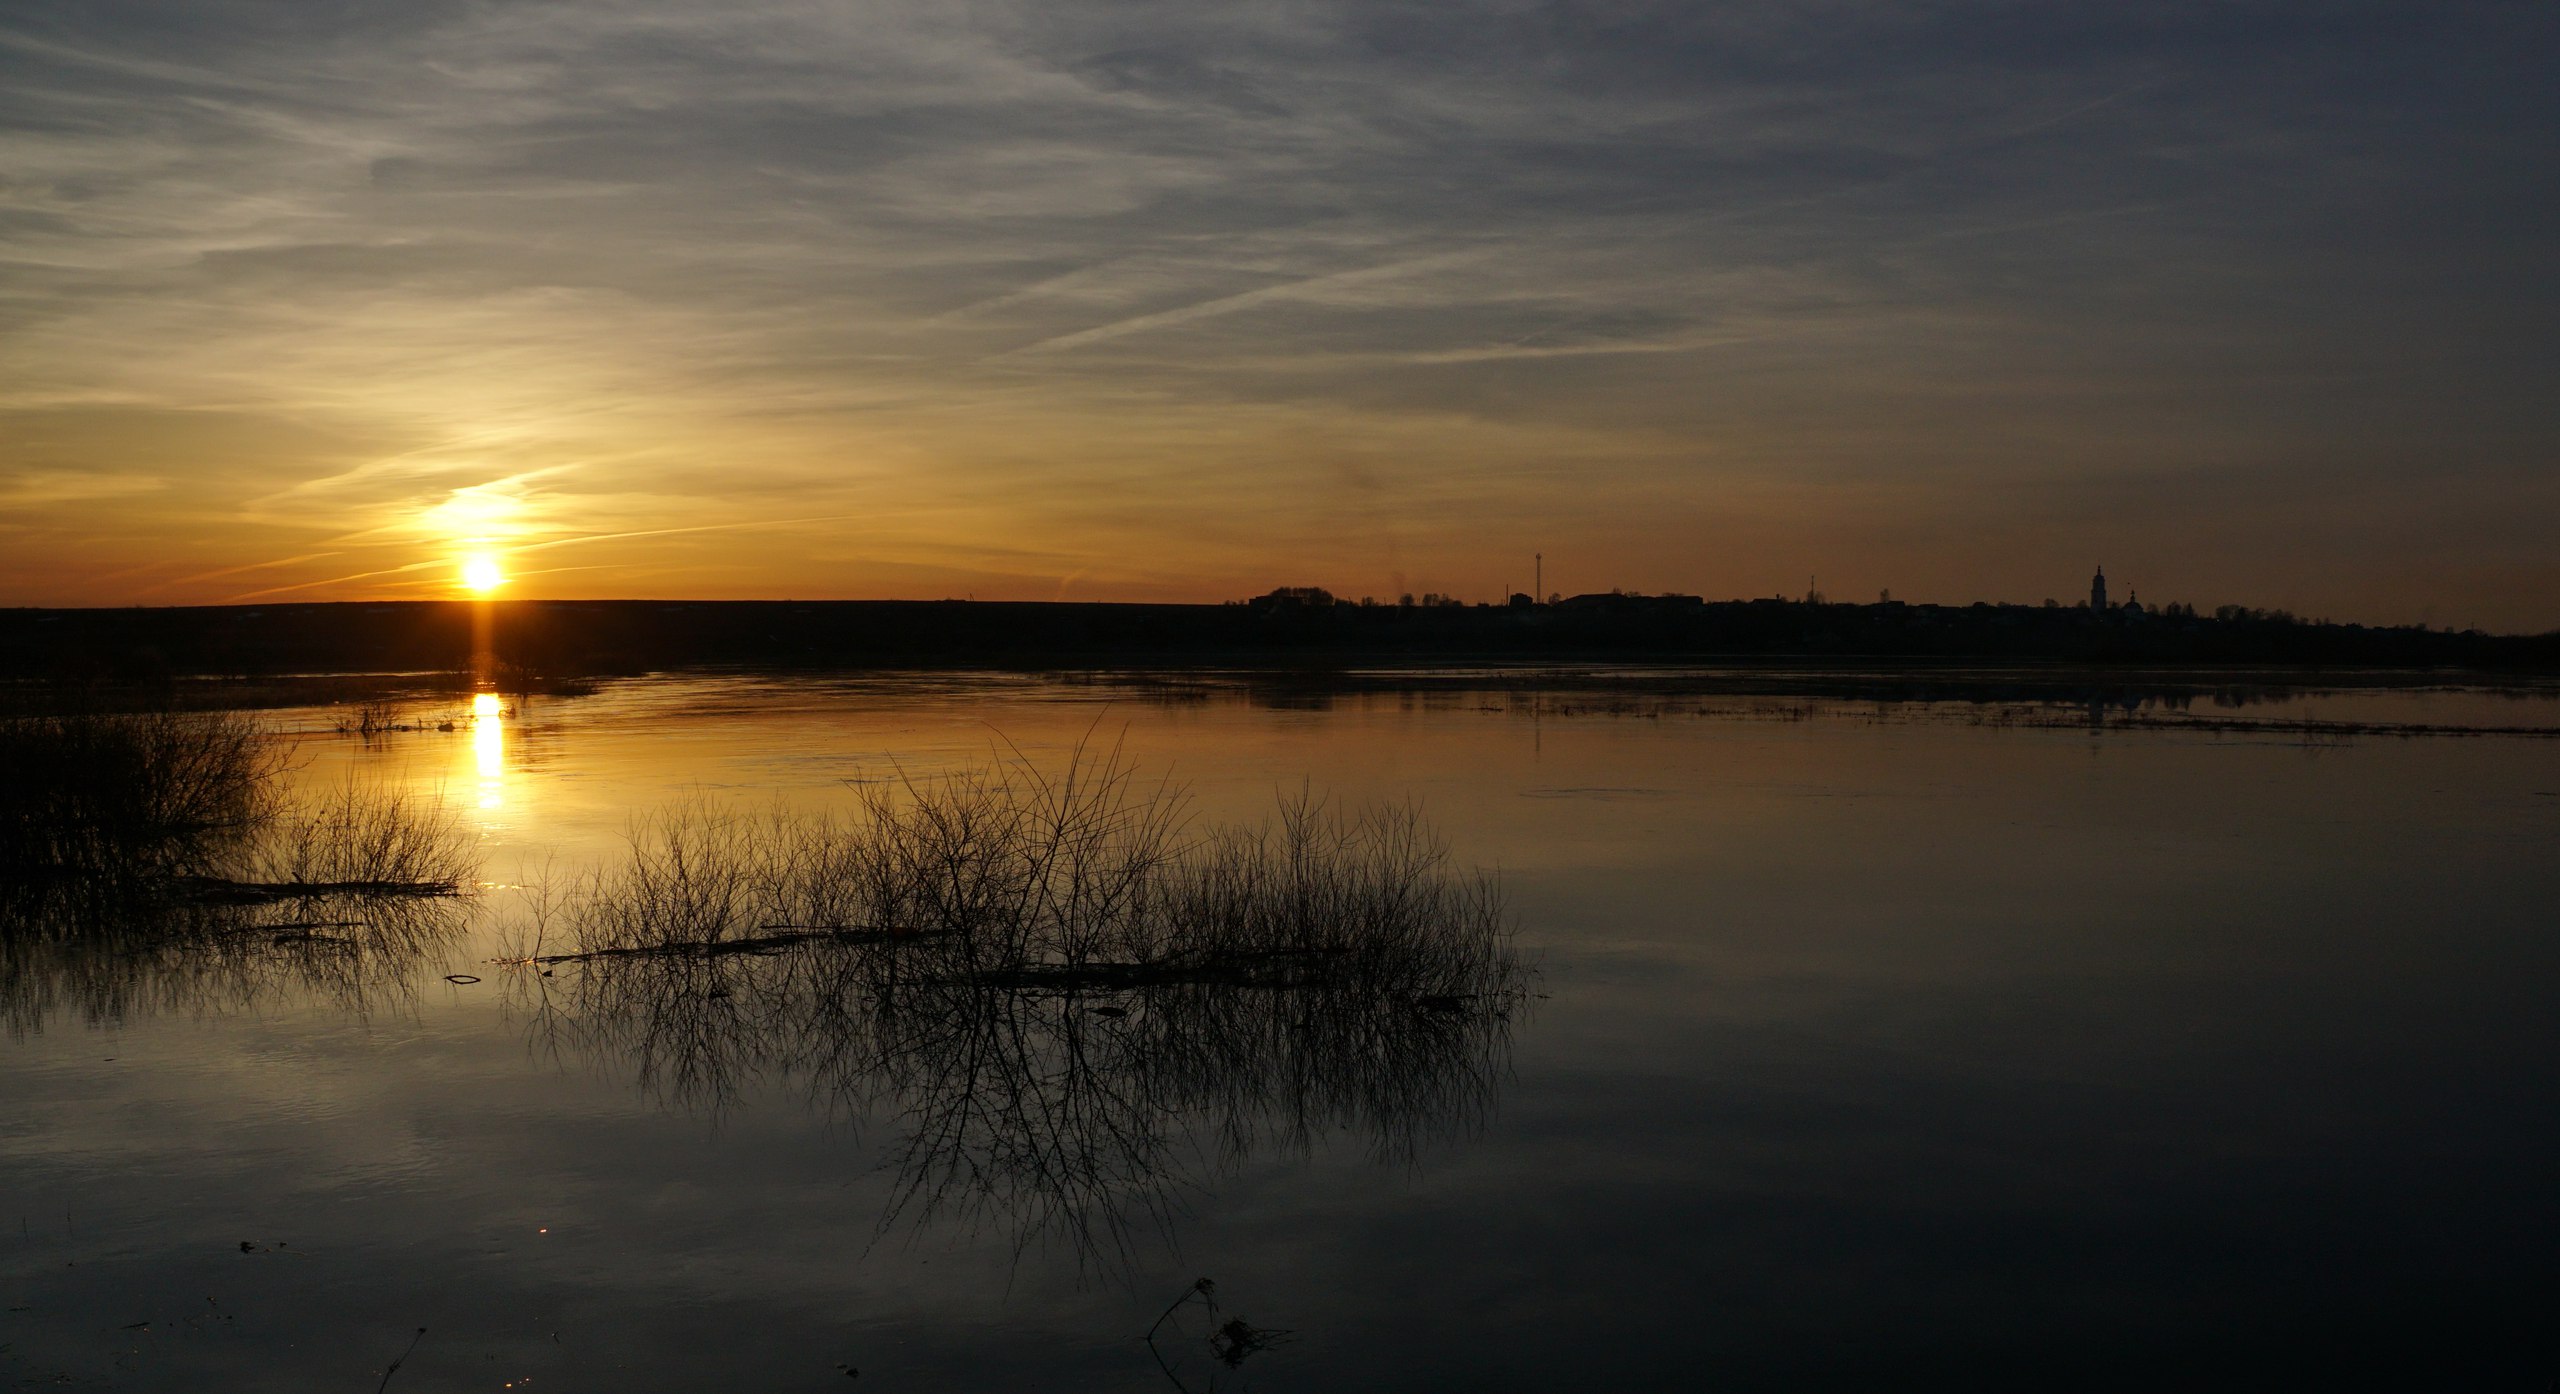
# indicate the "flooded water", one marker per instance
pixel 1867 1046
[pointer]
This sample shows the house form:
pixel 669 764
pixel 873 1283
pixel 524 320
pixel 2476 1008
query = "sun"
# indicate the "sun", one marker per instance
pixel 480 573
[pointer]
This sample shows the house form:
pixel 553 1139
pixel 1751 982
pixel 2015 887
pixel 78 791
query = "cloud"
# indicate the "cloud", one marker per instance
pixel 1309 288
pixel 41 488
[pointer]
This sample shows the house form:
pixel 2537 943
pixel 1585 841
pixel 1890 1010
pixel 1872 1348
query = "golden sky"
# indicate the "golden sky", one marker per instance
pixel 1139 301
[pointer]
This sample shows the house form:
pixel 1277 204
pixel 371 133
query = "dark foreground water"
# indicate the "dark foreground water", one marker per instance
pixel 1874 1048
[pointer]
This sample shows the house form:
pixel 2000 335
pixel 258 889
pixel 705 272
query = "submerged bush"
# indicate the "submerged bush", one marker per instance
pixel 149 860
pixel 94 793
pixel 1070 998
pixel 1086 877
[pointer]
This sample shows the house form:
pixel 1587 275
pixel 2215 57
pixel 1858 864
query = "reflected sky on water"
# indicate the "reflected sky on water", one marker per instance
pixel 1871 1049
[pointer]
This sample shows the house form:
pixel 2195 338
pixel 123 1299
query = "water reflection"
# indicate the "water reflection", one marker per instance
pixel 107 960
pixel 2372 703
pixel 2154 1061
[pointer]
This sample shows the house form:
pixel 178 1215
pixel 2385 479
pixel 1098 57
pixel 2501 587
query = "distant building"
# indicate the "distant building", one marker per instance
pixel 2098 590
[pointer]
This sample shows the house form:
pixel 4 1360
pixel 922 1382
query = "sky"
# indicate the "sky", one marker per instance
pixel 1094 300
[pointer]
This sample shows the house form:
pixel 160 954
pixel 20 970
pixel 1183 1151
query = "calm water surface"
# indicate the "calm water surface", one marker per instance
pixel 1871 1049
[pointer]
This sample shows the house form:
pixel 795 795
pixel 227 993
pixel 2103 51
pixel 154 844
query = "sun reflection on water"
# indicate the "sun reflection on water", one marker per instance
pixel 489 747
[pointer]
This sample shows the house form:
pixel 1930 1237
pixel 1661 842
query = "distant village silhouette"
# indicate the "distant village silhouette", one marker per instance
pixel 2131 610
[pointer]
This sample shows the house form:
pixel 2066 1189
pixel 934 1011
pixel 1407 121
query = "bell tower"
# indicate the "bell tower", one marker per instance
pixel 2098 590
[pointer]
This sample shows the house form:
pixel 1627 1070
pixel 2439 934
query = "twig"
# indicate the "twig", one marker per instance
pixel 404 1355
pixel 1202 1290
pixel 223 891
pixel 787 937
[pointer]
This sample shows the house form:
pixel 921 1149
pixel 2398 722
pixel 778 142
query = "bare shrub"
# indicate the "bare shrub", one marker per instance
pixel 124 792
pixel 358 838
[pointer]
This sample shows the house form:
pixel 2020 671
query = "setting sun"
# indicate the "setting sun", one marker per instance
pixel 480 573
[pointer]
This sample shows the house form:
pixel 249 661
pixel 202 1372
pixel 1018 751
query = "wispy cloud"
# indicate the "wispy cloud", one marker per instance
pixel 40 488
pixel 1309 288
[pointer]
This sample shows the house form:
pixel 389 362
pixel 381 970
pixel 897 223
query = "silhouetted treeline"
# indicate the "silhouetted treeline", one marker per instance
pixel 566 638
